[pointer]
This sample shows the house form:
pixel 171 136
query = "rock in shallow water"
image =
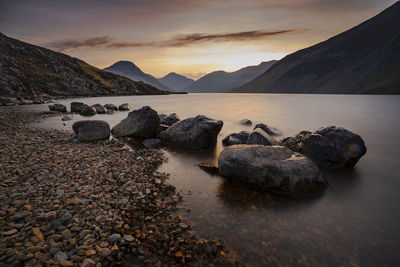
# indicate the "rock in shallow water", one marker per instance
pixel 87 131
pixel 99 109
pixel 195 133
pixel 246 122
pixel 169 119
pixel 329 147
pixel 88 111
pixel 268 129
pixel 152 143
pixel 259 137
pixel 140 123
pixel 77 107
pixel 124 107
pixel 58 107
pixel 236 138
pixel 271 168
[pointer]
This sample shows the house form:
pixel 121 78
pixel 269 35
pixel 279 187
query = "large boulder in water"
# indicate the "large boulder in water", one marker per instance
pixel 58 108
pixel 93 130
pixel 100 109
pixel 259 137
pixel 140 123
pixel 236 138
pixel 271 168
pixel 88 111
pixel 329 147
pixel 169 119
pixel 195 133
pixel 77 107
pixel 111 107
pixel 268 129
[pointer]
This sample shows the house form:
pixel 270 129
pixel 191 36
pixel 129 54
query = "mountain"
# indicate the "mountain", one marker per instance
pixel 362 60
pixel 176 81
pixel 221 81
pixel 130 70
pixel 30 71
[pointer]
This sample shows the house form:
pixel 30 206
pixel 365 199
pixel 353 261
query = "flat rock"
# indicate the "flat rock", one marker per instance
pixel 271 168
pixel 91 130
pixel 58 107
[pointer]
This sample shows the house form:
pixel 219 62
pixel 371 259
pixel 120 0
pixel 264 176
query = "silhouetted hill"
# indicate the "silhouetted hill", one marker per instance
pixel 221 81
pixel 130 70
pixel 176 81
pixel 362 60
pixel 30 71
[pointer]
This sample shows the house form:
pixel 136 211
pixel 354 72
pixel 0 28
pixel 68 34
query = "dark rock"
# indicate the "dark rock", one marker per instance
pixel 58 107
pixel 19 216
pixel 124 107
pixel 111 106
pixel 329 147
pixel 60 256
pixel 170 119
pixel 94 130
pixel 99 109
pixel 38 101
pixel 259 137
pixel 268 129
pixel 140 123
pixel 88 111
pixel 114 238
pixel 66 118
pixel 152 143
pixel 209 168
pixel 271 168
pixel 195 133
pixel 110 111
pixel 246 122
pixel 163 127
pixel 236 138
pixel 77 107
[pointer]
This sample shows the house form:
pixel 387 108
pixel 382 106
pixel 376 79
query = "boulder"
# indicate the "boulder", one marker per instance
pixel 195 133
pixel 58 108
pixel 169 119
pixel 99 109
pixel 271 168
pixel 236 138
pixel 152 143
pixel 246 122
pixel 93 130
pixel 259 137
pixel 77 107
pixel 140 123
pixel 124 107
pixel 329 147
pixel 88 111
pixel 66 118
pixel 268 129
pixel 111 106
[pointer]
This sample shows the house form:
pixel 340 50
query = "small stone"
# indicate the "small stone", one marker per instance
pixel 128 238
pixel 90 252
pixel 19 216
pixel 66 263
pixel 114 238
pixel 10 232
pixel 60 256
pixel 36 231
pixel 88 263
pixel 105 252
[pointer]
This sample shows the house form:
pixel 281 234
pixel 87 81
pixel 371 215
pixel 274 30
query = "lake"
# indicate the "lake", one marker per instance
pixel 355 222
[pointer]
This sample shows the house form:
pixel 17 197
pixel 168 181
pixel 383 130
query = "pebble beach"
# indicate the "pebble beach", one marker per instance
pixel 66 203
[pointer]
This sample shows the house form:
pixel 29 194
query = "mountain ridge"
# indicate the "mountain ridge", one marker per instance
pixel 176 81
pixel 129 70
pixel 362 60
pixel 30 71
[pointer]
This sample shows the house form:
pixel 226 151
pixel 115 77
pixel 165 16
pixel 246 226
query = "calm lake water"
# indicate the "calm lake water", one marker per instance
pixel 355 222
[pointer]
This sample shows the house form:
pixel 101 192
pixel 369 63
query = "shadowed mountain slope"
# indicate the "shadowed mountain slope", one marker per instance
pixel 176 81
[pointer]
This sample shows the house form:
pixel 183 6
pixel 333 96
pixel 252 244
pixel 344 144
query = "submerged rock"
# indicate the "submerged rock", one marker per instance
pixel 268 129
pixel 271 168
pixel 111 106
pixel 246 122
pixel 259 137
pixel 329 147
pixel 77 107
pixel 88 111
pixel 236 138
pixel 100 109
pixel 140 123
pixel 195 133
pixel 124 107
pixel 169 119
pixel 58 107
pixel 94 130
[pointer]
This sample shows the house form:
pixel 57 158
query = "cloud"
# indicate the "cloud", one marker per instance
pixel 179 41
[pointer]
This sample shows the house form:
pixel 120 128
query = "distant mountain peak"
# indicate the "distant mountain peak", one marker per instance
pixel 176 81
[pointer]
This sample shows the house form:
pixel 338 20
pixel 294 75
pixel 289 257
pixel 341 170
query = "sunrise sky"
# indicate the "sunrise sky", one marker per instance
pixel 191 37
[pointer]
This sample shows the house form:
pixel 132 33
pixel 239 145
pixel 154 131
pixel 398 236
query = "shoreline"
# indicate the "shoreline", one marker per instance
pixel 89 204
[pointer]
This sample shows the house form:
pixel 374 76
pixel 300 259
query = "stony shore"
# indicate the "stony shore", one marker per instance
pixel 89 204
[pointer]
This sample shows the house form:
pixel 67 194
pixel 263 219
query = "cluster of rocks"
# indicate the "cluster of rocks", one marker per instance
pixel 67 203
pixel 15 101
pixel 291 166
pixel 86 110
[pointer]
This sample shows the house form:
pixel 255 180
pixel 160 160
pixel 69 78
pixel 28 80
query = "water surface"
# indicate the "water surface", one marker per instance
pixel 355 222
